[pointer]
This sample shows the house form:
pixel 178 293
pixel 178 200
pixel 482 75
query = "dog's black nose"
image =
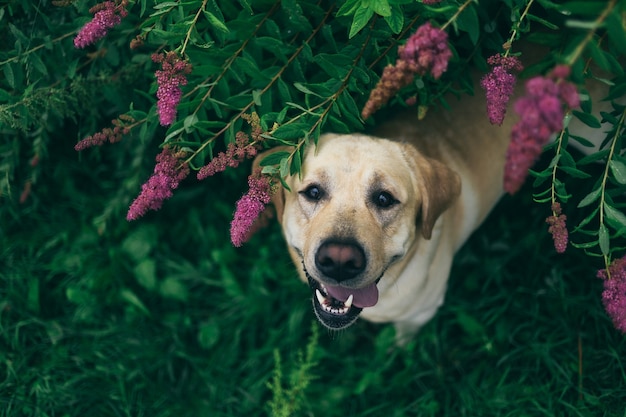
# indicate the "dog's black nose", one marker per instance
pixel 340 261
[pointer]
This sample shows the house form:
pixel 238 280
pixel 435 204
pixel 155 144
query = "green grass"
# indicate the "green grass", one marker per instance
pixel 163 317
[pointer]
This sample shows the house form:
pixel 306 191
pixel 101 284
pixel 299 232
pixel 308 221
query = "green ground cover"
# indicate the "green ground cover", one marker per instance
pixel 164 317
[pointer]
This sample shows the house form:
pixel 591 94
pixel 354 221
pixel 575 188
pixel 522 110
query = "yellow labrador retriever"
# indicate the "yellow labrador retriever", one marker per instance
pixel 373 222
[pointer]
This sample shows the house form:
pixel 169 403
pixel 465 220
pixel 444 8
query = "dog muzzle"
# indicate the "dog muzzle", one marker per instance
pixel 339 307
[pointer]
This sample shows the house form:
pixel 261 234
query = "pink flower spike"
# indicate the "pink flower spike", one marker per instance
pixel 106 16
pixel 428 49
pixel 169 171
pixel 499 85
pixel 614 294
pixel 169 78
pixel 249 208
pixel 425 51
pixel 541 113
pixel 558 228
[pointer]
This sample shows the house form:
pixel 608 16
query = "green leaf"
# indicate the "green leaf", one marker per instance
pixel 574 172
pixel 560 190
pixel 145 273
pixel 283 91
pixel 546 173
pixel 18 34
pixel 472 326
pixel 132 299
pixel 291 131
pixel 189 122
pixel 166 5
pixel 10 75
pixel 603 239
pixel 590 198
pixel 216 22
pixel 208 334
pixel 381 7
pixel 468 22
pixel 588 119
pixel 173 288
pixel 338 125
pixel 615 215
pixel 77 295
pixel 615 30
pixel 580 24
pixel 140 243
pixel 173 133
pixel 618 169
pixel 273 45
pixel 544 22
pixel 350 110
pixel 585 245
pixel 589 8
pixel 296 15
pixel 248 66
pixel 318 90
pixel 296 162
pixel 274 158
pixel 596 156
pixel 270 170
pixel 361 17
pixel 35 61
pixel 336 65
pixel 396 19
pixel 584 222
pixel 584 142
pixel 348 8
pixel 598 56
pixel 566 159
pixel 284 168
pixel 256 97
pixel 283 182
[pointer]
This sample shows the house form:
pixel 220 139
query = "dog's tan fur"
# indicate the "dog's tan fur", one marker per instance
pixel 446 173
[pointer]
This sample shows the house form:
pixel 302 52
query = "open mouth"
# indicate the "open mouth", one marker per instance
pixel 331 312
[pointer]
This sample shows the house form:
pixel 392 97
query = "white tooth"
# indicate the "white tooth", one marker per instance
pixel 320 297
pixel 348 302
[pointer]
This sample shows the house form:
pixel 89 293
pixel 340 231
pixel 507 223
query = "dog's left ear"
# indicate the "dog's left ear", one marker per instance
pixel 438 186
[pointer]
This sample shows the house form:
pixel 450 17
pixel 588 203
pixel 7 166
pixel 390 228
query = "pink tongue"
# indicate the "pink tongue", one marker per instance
pixel 363 297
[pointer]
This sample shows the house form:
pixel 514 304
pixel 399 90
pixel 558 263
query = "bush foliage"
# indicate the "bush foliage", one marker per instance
pixel 162 316
pixel 302 67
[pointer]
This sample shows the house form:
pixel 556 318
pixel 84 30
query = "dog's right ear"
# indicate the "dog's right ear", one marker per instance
pixel 438 186
pixel 278 195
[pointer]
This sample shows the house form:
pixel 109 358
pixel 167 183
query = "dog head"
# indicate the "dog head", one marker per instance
pixel 357 208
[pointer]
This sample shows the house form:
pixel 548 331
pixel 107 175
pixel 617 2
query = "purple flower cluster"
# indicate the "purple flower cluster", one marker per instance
pixel 245 146
pixel 428 49
pixel 111 135
pixel 541 113
pixel 499 85
pixel 107 15
pixel 425 51
pixel 614 294
pixel 249 208
pixel 169 171
pixel 558 228
pixel 170 77
pixel 430 2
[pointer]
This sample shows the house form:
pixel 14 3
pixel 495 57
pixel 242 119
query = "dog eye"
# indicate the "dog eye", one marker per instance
pixel 383 199
pixel 312 192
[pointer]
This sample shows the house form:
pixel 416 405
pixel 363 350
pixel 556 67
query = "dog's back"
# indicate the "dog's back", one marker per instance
pixel 463 138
